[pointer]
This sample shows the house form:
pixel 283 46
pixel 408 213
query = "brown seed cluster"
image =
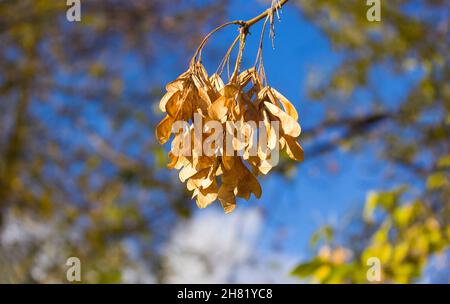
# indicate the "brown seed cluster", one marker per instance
pixel 227 174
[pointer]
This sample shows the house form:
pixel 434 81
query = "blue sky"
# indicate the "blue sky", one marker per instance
pixel 329 189
pixel 296 206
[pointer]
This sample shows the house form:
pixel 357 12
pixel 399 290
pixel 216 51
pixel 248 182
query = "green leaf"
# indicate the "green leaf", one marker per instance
pixel 307 269
pixel 403 215
pixel 370 206
pixel 444 162
pixel 324 233
pixel 436 181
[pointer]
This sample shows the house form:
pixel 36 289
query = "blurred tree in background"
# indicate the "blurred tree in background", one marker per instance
pixel 408 224
pixel 78 158
pixel 79 163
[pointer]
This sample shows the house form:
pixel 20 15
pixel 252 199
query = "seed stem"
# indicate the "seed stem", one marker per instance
pixel 264 14
pixel 245 25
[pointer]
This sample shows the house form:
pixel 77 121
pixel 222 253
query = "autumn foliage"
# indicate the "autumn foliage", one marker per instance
pixel 245 98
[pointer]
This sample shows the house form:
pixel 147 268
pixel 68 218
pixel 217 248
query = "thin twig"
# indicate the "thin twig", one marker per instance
pixel 243 24
pixel 266 13
pixel 227 57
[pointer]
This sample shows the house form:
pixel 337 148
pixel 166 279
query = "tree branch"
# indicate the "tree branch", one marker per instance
pixel 249 23
pixel 245 25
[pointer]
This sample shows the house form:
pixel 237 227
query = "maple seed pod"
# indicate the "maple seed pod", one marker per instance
pixel 268 122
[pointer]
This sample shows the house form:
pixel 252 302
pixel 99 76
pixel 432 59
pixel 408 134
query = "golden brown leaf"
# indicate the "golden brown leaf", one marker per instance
pixel 293 148
pixel 164 129
pixel 289 125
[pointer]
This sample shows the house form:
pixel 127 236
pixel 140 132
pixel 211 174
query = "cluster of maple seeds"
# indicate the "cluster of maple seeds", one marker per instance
pixel 226 175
